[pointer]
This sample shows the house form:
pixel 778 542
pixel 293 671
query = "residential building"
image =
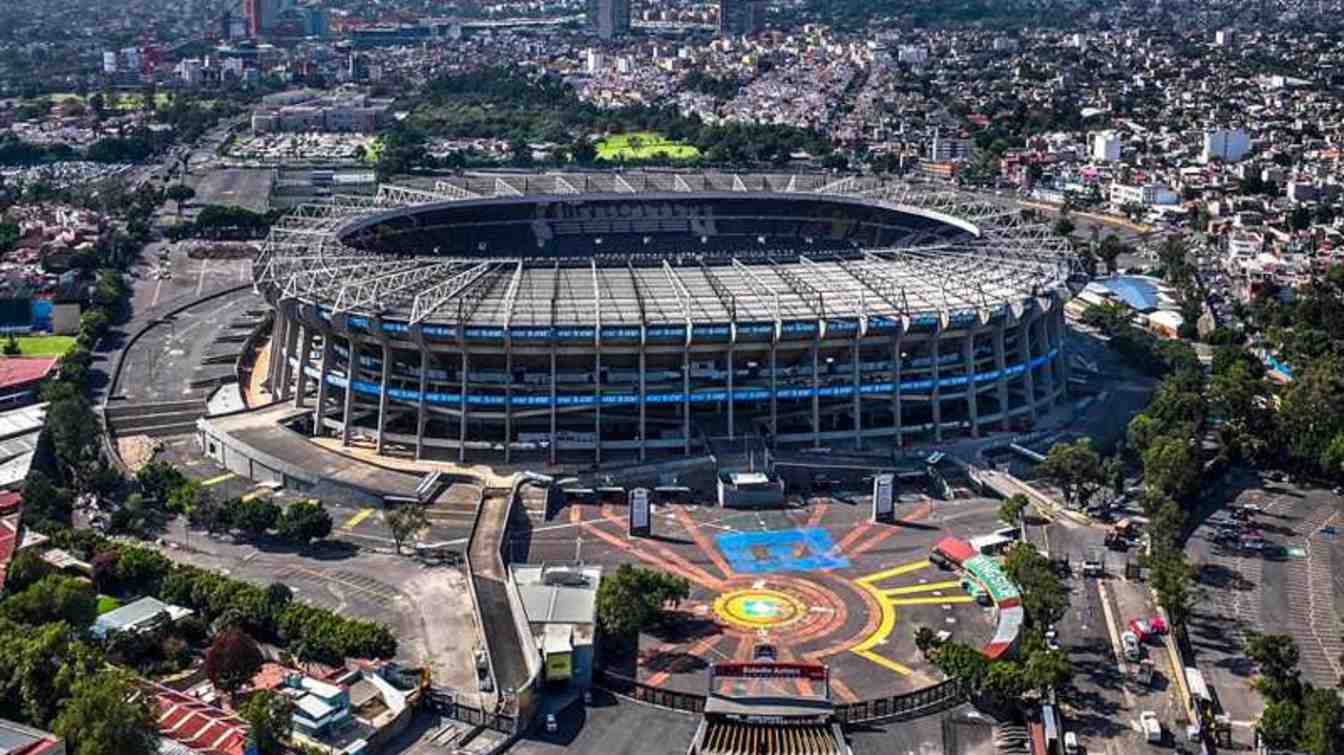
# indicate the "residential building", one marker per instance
pixel 592 61
pixel 196 724
pixel 741 17
pixel 303 110
pixel 915 55
pixel 1224 37
pixel 1148 195
pixel 1228 145
pixel 943 149
pixel 17 739
pixel 1106 146
pixel 609 18
pixel 140 616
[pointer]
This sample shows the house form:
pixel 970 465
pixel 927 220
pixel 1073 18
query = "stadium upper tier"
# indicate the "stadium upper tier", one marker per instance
pixel 523 253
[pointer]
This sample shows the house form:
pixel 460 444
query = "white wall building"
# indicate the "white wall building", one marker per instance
pixel 1147 195
pixel 593 61
pixel 1105 146
pixel 1226 144
pixel 915 55
pixel 1224 37
pixel 109 62
pixel 944 148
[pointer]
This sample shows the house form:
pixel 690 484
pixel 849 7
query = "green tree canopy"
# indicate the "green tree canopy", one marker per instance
pixel 1075 468
pixel 55 597
pixel 271 718
pixel 304 521
pixel 105 717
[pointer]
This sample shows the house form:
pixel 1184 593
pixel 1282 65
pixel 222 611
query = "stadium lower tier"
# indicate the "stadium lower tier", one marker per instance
pixel 610 401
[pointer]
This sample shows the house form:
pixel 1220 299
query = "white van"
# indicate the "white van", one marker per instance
pixel 1152 728
pixel 1071 744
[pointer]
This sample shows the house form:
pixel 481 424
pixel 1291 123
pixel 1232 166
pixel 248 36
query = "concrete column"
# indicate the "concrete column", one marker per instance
pixel 462 409
pixel 287 369
pixel 972 399
pixel 597 403
pixel 896 387
pixel 351 371
pixel 382 395
pixel 686 396
pixel 731 370
pixel 816 394
pixel 319 412
pixel 277 349
pixel 305 359
pixel 774 400
pixel 1048 368
pixel 1024 358
pixel 1001 364
pixel 858 409
pixel 643 429
pixel 420 404
pixel 508 399
pixel 554 453
pixel 936 395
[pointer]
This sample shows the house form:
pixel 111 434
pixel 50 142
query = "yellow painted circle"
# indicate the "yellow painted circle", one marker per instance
pixel 756 608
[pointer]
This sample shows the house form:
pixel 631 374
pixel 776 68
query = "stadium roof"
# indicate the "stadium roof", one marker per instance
pixel 999 259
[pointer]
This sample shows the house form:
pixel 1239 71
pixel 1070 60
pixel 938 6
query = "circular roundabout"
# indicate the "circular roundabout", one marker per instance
pixel 754 608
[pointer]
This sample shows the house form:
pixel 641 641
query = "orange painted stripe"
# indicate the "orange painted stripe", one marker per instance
pixel 853 536
pixel 843 691
pixel 671 556
pixel 575 512
pixel 699 649
pixel 804 685
pixel 649 558
pixel 818 512
pixel 703 542
pixel 872 542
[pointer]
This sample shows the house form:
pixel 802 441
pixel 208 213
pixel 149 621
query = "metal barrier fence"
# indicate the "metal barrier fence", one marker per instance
pixel 645 693
pixel 445 703
pixel 905 706
pixel 909 705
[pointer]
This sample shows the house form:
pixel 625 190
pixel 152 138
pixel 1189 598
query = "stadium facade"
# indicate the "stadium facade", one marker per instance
pixel 607 317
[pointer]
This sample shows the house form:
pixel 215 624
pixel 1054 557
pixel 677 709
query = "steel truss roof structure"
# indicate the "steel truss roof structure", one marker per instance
pixel 1005 261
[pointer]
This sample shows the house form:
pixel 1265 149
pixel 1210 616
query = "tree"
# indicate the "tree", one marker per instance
pixel 962 662
pixel 1171 468
pixel 1321 720
pixel 1012 509
pixel 12 348
pixel 179 193
pixel 404 521
pixel 1075 468
pixel 1312 415
pixel 26 568
pixel 1044 598
pixel 1047 669
pixel 583 151
pixel 45 506
pixel 926 641
pixel 256 516
pixel 271 718
pixel 213 516
pixel 106 716
pixel 1277 657
pixel 304 521
pixel 1281 724
pixel 1109 250
pixel 631 598
pixel 55 597
pixel 232 660
pixel 159 478
pixel 1173 579
pixel 1064 226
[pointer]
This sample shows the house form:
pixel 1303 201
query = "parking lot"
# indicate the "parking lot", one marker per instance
pixel 1287 585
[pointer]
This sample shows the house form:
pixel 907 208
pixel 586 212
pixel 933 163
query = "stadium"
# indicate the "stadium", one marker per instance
pixel 578 318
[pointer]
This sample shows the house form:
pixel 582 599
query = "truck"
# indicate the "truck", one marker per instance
pixel 1094 565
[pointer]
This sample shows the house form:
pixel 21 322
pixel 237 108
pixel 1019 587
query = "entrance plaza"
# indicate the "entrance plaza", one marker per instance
pixel 816 583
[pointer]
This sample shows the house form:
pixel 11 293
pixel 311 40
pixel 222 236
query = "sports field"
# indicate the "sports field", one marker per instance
pixel 643 145
pixel 45 346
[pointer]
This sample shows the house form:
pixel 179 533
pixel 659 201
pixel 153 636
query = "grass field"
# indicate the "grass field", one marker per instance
pixel 124 101
pixel 642 146
pixel 107 603
pixel 45 346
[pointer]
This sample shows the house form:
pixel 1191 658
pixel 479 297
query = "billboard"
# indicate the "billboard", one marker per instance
pixel 884 498
pixel 639 512
pixel 809 671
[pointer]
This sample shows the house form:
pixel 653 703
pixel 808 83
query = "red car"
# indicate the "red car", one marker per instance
pixel 1148 628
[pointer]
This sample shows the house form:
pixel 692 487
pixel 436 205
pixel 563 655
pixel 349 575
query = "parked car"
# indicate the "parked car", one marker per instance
pixel 551 724
pixel 1071 743
pixel 1130 641
pixel 1152 728
pixel 1141 629
pixel 1158 625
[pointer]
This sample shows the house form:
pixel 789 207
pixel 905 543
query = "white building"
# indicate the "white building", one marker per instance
pixel 944 148
pixel 593 62
pixel 1105 146
pixel 190 71
pixel 1147 195
pixel 1224 37
pixel 915 55
pixel 109 62
pixel 1226 144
